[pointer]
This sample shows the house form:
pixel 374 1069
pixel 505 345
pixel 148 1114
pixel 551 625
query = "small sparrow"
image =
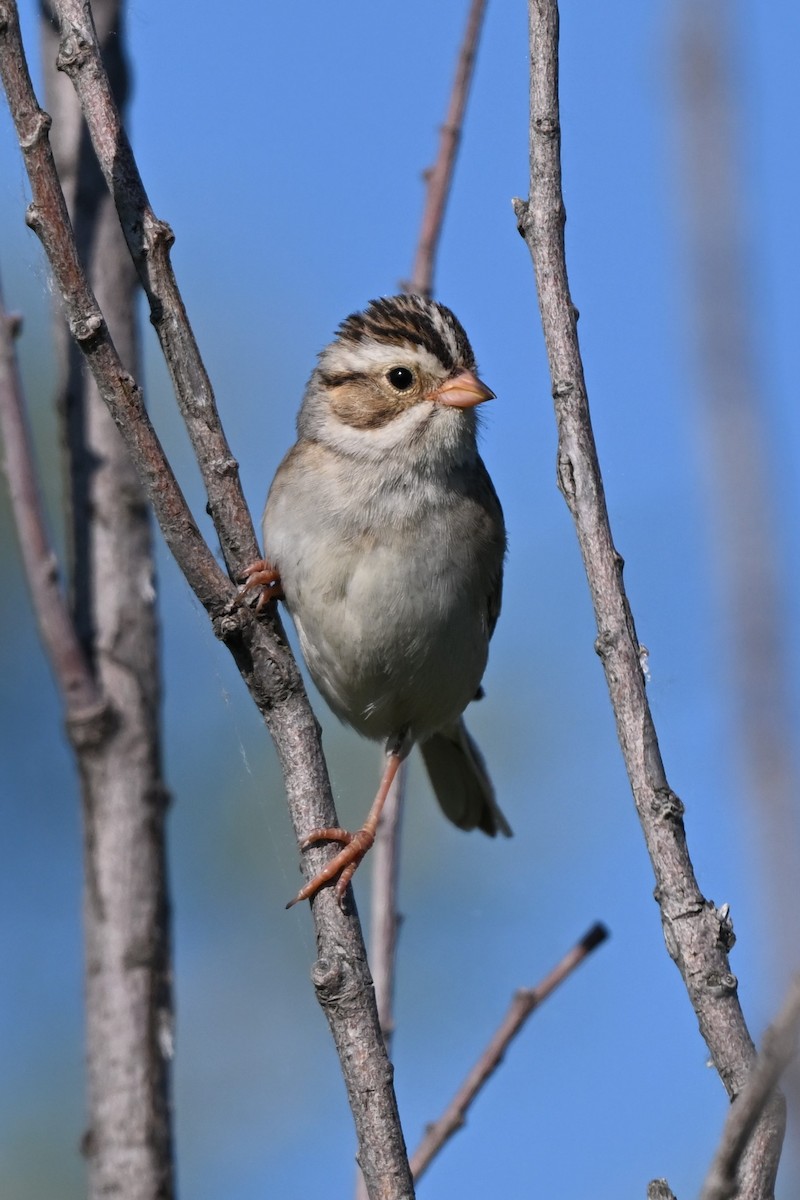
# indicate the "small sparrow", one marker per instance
pixel 384 536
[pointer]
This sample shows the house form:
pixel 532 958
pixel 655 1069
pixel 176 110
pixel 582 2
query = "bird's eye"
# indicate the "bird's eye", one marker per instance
pixel 400 378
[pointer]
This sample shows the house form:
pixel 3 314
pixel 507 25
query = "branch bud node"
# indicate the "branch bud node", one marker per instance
pixel 40 128
pixel 73 52
pixel 86 329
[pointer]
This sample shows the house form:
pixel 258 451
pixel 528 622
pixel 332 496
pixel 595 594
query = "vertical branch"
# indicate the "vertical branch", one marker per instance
pixel 439 177
pixel 386 852
pixel 126 905
pixel 696 934
pixel 385 919
pixel 751 577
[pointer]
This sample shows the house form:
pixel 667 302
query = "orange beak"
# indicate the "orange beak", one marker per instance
pixel 464 390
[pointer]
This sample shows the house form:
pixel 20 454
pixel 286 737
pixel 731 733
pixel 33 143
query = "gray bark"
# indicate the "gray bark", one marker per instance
pixel 128 1142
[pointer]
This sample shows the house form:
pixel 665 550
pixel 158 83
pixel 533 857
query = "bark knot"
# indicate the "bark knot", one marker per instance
pixel 334 982
pixel 725 934
pixel 565 476
pixel 722 983
pixel 666 806
pixel 90 727
pixel 225 466
pixel 86 329
pixel 41 122
pixel 157 234
pixel 521 208
pixel 547 126
pixel 73 52
pixel 604 643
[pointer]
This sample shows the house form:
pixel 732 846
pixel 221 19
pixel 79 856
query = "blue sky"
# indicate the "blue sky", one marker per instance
pixel 284 143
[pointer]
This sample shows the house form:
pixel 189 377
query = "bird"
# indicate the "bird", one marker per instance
pixel 384 537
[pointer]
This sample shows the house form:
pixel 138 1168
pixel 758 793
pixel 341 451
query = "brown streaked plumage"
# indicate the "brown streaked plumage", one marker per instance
pixel 400 319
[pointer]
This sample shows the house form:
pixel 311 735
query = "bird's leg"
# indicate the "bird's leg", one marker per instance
pixel 260 574
pixel 354 845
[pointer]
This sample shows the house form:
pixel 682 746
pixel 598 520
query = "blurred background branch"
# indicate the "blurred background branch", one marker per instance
pixel 105 656
pixel 749 550
pixel 697 935
pixel 740 470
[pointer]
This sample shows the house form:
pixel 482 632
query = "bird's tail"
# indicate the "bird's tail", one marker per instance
pixel 461 782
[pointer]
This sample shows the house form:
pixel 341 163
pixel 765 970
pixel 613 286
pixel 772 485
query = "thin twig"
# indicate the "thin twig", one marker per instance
pixel 385 920
pixel 82 698
pixel 697 935
pixel 385 865
pixel 777 1050
pixel 439 177
pixel 340 974
pixel 524 1002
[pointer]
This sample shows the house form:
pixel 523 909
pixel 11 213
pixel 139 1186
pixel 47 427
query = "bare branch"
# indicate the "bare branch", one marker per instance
pixel 149 241
pixel 129 1013
pixel 439 177
pixel 385 920
pixel 340 975
pixel 82 698
pixel 777 1050
pixel 697 935
pixel 386 852
pixel 526 1001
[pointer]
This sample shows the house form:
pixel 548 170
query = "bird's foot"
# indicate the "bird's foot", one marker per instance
pixel 260 574
pixel 343 864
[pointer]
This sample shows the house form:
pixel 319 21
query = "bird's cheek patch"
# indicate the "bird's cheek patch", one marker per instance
pixel 364 407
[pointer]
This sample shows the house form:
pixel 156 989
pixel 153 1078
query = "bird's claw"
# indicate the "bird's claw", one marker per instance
pixel 343 864
pixel 262 575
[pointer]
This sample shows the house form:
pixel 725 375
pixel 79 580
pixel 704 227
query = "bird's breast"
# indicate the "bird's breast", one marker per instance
pixel 388 592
